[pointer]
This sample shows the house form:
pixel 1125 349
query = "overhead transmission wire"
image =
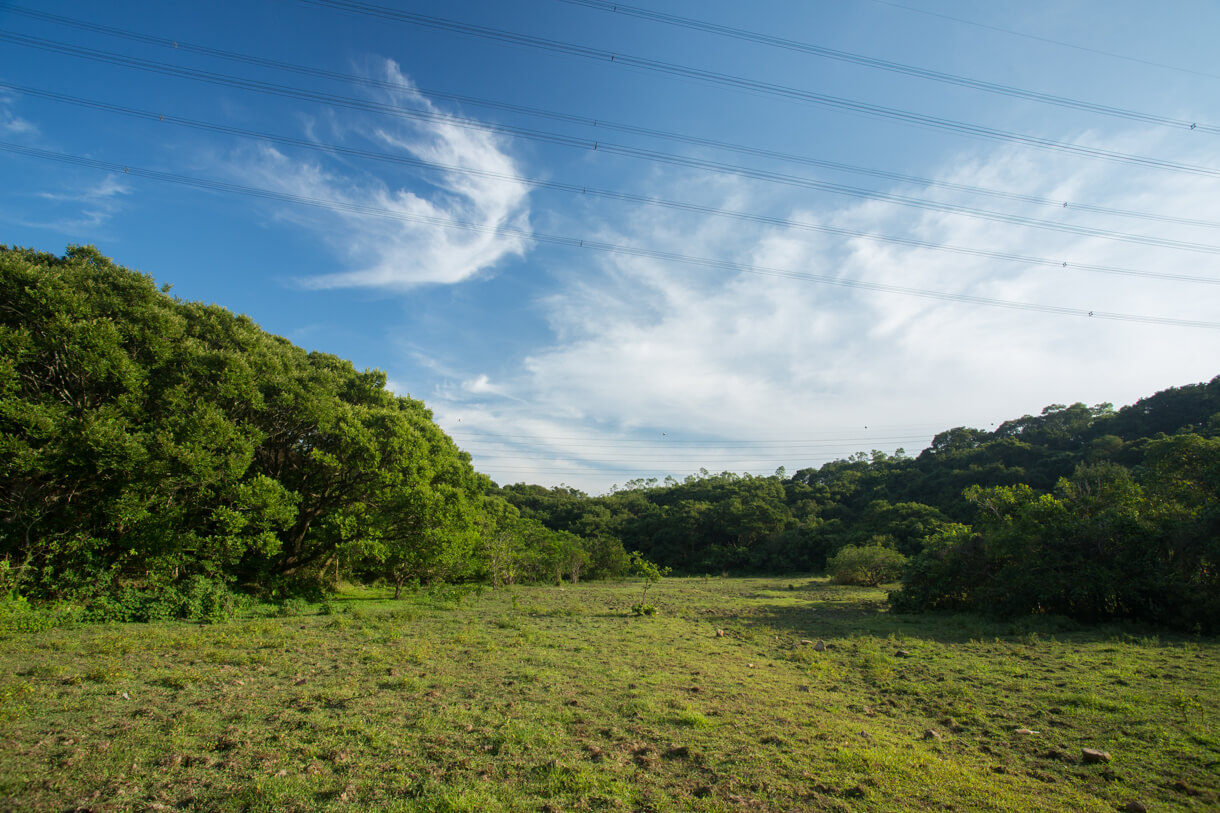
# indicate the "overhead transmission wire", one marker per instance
pixel 714 454
pixel 594 245
pixel 785 222
pixel 659 453
pixel 584 143
pixel 598 123
pixel 616 471
pixel 665 459
pixel 753 85
pixel 718 454
pixel 1037 38
pixel 707 459
pixel 886 65
pixel 604 193
pixel 497 436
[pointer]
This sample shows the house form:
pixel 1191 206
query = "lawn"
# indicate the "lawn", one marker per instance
pixel 558 698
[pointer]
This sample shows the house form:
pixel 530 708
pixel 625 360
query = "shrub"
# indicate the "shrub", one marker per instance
pixel 945 574
pixel 198 598
pixel 205 599
pixel 17 615
pixel 868 565
pixel 292 607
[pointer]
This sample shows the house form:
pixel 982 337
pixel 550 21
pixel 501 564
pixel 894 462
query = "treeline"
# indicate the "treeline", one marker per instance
pixel 154 452
pixel 1082 511
pixel 156 455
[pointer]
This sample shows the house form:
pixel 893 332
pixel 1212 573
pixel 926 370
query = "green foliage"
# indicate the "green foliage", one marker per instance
pixel 944 575
pixel 19 615
pixel 198 598
pixel 1101 546
pixel 155 451
pixel 158 455
pixel 292 607
pixel 869 565
pixel 1076 511
pixel 651 574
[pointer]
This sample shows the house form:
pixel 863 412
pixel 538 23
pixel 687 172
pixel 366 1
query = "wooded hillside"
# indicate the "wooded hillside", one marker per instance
pixel 153 449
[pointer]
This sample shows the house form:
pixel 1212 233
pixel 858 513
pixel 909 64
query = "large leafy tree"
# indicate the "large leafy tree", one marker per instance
pixel 118 457
pixel 145 440
pixel 424 518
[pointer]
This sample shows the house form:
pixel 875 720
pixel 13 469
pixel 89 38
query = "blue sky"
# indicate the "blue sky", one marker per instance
pixel 480 213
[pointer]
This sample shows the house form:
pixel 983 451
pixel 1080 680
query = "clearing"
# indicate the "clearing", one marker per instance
pixel 549 699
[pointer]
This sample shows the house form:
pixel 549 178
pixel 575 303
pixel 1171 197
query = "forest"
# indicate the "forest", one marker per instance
pixel 163 458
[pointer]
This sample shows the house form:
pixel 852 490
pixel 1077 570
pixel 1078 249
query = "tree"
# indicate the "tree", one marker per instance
pixel 498 550
pixel 120 457
pixel 652 575
pixel 145 441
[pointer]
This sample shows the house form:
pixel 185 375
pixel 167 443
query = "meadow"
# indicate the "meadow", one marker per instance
pixel 559 698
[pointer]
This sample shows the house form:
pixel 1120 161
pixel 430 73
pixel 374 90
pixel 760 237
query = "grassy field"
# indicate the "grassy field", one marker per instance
pixel 550 699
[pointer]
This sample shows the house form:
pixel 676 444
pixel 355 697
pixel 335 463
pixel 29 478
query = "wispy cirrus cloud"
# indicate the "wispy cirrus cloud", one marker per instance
pixel 397 232
pixel 12 124
pixel 646 349
pixel 79 211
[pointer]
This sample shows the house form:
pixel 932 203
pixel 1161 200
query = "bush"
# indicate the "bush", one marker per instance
pixel 944 575
pixel 292 607
pixel 209 600
pixel 18 615
pixel 199 598
pixel 868 565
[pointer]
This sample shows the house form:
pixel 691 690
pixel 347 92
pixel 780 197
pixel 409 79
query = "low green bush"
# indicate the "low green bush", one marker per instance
pixel 868 565
pixel 198 598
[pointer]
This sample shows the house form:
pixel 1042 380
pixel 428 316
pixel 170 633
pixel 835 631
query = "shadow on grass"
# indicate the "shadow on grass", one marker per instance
pixel 824 610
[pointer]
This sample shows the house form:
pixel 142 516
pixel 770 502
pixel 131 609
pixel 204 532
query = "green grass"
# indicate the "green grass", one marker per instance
pixel 549 698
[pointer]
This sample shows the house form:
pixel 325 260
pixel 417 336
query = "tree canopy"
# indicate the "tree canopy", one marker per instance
pixel 147 443
pixel 147 439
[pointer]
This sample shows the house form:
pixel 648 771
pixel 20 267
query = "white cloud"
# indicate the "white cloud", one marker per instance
pixel 482 385
pixel 10 123
pixel 645 347
pixel 91 207
pixel 394 237
pixel 103 191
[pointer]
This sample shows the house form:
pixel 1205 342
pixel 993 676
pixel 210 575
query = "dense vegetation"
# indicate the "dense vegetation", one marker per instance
pixel 1086 512
pixel 157 454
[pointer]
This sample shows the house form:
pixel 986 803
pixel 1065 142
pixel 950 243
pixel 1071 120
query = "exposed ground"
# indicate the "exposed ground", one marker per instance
pixel 548 699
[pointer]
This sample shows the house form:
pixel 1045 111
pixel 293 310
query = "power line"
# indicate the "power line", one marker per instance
pixel 598 123
pixel 894 67
pixel 711 444
pixel 593 245
pixel 706 463
pixel 554 138
pixel 614 195
pixel 757 86
pixel 905 200
pixel 614 471
pixel 1047 40
pixel 681 455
